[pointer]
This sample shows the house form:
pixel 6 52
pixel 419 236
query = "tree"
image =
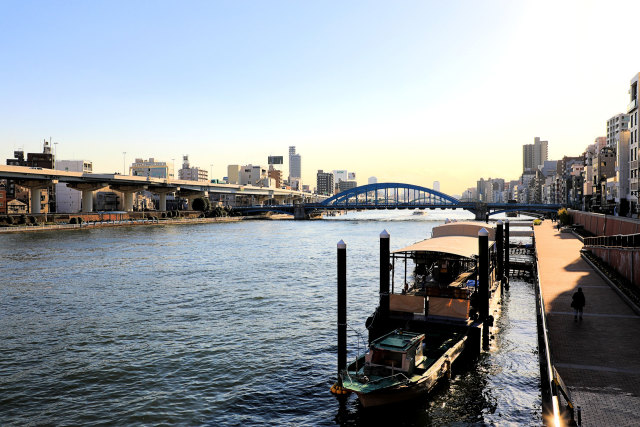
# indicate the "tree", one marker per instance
pixel 202 204
pixel 563 216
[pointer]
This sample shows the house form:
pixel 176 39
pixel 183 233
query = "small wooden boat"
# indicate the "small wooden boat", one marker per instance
pixel 401 365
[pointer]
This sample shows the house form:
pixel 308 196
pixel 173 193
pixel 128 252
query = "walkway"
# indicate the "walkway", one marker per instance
pixel 598 358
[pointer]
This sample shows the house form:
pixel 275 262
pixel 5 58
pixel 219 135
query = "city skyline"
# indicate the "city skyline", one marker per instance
pixel 232 83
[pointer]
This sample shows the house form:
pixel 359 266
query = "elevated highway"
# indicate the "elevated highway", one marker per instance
pixel 37 178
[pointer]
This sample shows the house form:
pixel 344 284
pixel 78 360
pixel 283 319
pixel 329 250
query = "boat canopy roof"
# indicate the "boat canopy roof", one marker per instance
pixel 398 340
pixel 464 228
pixel 463 246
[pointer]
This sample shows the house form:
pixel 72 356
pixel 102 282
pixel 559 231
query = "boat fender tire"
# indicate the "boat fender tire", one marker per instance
pixel 369 322
pixel 490 320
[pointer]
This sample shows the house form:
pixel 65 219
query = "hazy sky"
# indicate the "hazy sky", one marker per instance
pixel 406 91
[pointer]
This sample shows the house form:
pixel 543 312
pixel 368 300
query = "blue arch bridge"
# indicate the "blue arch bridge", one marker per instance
pixel 393 195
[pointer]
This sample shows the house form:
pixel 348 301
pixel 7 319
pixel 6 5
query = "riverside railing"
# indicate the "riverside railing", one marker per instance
pixel 615 241
pixel 551 382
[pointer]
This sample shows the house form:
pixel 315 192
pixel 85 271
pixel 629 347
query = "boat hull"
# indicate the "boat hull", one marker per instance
pixel 440 370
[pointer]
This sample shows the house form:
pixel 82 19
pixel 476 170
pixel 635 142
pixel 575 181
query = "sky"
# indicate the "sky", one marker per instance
pixel 407 91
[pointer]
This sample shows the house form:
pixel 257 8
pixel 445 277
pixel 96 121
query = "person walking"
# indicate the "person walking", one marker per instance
pixel 578 303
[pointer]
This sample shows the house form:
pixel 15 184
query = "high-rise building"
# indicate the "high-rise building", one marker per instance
pixel 622 168
pixel 295 169
pixel 372 180
pixel 534 155
pixel 634 171
pixel 188 173
pixel 324 183
pixel 615 124
pixel 436 185
pixel 151 168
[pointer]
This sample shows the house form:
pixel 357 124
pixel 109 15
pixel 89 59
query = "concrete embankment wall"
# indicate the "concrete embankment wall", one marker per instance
pixel 605 225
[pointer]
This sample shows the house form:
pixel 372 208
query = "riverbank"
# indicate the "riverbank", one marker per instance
pixel 117 223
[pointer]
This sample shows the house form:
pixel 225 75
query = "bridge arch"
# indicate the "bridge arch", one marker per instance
pixel 390 194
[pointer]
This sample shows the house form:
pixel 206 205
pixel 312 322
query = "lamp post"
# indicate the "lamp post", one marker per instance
pixel 211 167
pixel 124 162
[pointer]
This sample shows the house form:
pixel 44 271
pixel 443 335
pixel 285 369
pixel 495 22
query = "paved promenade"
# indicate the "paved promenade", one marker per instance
pixel 598 358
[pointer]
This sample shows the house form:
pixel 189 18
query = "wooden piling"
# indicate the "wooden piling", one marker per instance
pixel 342 306
pixel 384 273
pixel 507 266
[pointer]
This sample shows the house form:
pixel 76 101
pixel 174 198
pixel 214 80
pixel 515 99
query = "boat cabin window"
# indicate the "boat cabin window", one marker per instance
pixel 387 358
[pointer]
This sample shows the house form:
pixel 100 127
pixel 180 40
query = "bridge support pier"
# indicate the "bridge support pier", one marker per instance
pixel 127 194
pixel 299 212
pixel 36 187
pixel 87 200
pixel 162 199
pixel 481 211
pixel 35 200
pixel 128 200
pixel 87 193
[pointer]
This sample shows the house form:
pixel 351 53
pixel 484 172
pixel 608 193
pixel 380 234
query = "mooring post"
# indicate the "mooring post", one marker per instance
pixel 500 248
pixel 342 307
pixel 384 273
pixel 337 388
pixel 507 267
pixel 483 285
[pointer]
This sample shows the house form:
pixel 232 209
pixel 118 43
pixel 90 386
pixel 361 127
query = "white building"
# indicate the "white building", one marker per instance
pixel 340 175
pixel 151 168
pixel 372 180
pixel 255 175
pixel 615 124
pixel 436 185
pixel 188 173
pixel 69 200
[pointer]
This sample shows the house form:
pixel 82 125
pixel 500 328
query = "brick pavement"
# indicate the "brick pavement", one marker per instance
pixel 598 358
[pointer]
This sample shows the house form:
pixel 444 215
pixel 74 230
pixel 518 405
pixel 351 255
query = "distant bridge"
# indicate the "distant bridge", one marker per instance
pixel 392 195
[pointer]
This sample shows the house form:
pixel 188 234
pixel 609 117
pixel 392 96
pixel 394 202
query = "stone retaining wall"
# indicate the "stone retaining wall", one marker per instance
pixel 605 225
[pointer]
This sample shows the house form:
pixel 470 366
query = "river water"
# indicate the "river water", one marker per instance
pixel 224 324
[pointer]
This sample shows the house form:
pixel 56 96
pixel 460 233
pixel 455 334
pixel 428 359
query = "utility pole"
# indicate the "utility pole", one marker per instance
pixel 124 163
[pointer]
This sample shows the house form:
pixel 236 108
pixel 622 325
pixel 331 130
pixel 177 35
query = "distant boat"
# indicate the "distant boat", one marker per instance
pixel 419 213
